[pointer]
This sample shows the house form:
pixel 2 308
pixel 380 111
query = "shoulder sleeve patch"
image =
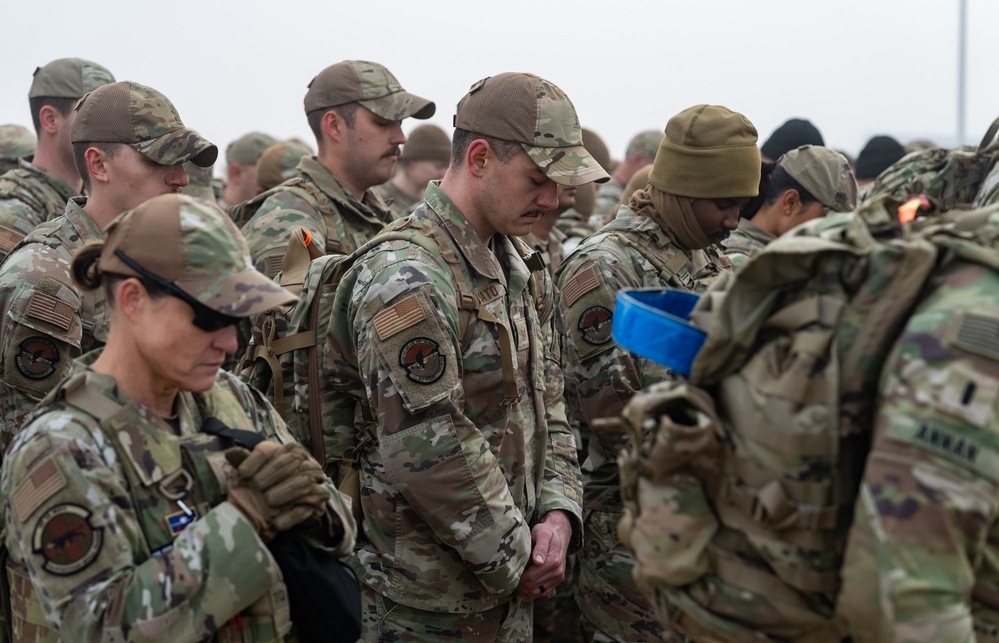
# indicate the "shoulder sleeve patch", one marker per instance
pixel 9 238
pixel 41 483
pixel 976 333
pixel 418 357
pixel 579 285
pixel 48 308
pixel 398 318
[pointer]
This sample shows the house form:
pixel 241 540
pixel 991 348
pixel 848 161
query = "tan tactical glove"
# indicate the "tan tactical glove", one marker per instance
pixel 276 487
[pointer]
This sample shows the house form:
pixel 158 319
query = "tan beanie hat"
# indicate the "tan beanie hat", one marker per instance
pixel 709 152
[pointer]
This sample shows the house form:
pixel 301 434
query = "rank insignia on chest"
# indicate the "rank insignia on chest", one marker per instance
pixel 178 522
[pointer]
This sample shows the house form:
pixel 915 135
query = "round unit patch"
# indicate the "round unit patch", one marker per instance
pixel 66 540
pixel 37 358
pixel 595 324
pixel 423 362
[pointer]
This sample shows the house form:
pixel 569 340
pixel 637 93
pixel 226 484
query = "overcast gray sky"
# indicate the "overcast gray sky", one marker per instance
pixel 854 67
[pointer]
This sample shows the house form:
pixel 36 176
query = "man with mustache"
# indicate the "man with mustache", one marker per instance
pixel 706 167
pixel 355 109
pixel 470 488
pixel 129 145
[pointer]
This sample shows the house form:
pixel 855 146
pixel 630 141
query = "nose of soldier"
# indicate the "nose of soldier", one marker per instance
pixel 548 198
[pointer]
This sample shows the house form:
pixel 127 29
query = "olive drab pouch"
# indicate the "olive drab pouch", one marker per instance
pixel 312 382
pixel 786 380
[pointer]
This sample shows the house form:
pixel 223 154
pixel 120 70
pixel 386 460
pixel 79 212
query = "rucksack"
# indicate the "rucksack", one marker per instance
pixel 945 179
pixel 739 484
pixel 316 389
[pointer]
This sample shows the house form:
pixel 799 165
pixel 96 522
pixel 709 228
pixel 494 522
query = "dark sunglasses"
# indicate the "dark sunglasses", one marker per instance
pixel 205 318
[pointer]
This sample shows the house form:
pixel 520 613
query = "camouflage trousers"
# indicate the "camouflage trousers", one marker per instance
pixel 608 597
pixel 384 620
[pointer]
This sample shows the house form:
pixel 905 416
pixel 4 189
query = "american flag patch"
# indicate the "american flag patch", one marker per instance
pixel 581 284
pixel 397 318
pixel 40 484
pixel 9 238
pixel 44 307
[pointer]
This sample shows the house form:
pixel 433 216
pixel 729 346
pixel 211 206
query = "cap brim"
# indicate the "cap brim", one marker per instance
pixel 568 165
pixel 400 105
pixel 243 294
pixel 179 146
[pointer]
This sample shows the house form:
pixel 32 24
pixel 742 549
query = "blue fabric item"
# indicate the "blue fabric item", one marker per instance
pixel 653 324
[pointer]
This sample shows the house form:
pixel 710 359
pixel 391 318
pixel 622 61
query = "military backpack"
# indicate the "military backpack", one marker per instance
pixel 739 484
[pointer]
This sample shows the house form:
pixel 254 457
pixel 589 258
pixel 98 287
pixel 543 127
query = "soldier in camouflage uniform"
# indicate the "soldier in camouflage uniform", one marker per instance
pixel 16 142
pixel 278 163
pixel 124 520
pixel 470 492
pixel 424 158
pixel 641 151
pixel 355 108
pixel 804 184
pixel 241 167
pixel 920 564
pixel 129 143
pixel 38 189
pixel 707 166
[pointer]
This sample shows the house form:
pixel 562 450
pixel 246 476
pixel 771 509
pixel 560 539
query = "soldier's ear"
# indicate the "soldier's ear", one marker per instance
pixel 129 294
pixel 334 126
pixel 478 155
pixel 790 201
pixel 49 119
pixel 97 164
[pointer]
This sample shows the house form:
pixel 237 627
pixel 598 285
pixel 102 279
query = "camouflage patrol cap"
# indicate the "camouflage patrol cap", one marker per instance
pixel 645 144
pixel 278 162
pixel 196 247
pixel 527 109
pixel 368 84
pixel 246 149
pixel 15 141
pixel 427 143
pixel 825 173
pixel 145 120
pixel 68 78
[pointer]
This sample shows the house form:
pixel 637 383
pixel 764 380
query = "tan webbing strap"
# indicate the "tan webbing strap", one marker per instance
pixel 270 349
pixel 510 393
pixel 315 412
pixel 772 507
pixel 319 201
pixel 78 394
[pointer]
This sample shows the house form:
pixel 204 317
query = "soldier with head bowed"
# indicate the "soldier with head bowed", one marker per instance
pixel 129 145
pixel 125 518
pixel 355 109
pixel 39 187
pixel 470 492
pixel 424 158
pixel 707 166
pixel 804 184
pixel 16 142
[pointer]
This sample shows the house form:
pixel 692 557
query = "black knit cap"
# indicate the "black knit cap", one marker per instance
pixel 790 136
pixel 879 153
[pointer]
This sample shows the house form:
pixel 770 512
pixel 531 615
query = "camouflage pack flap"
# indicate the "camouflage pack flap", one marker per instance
pixel 962 176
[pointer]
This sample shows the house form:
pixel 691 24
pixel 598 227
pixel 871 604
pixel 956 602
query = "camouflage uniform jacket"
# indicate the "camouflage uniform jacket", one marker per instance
pixel 550 250
pixel 746 241
pixel 337 221
pixel 397 201
pixel 632 251
pixel 462 467
pixel 29 196
pixel 46 320
pixel 922 563
pixel 98 515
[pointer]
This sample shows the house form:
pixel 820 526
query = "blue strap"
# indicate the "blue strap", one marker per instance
pixel 653 324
